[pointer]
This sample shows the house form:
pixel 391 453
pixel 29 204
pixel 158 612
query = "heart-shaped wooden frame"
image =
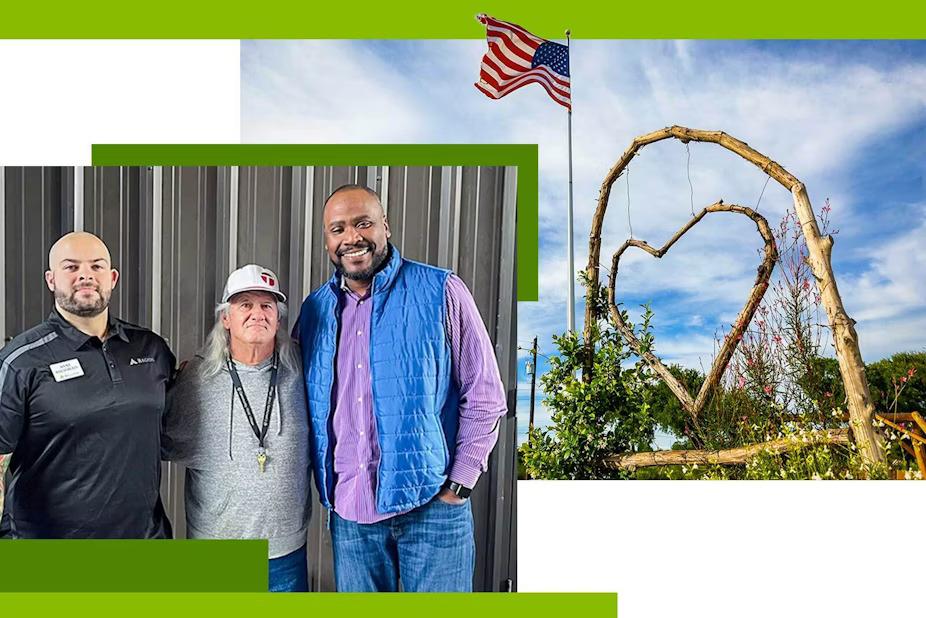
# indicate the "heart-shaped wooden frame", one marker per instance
pixel 694 406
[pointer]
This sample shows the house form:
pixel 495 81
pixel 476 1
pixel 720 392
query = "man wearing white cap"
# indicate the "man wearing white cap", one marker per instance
pixel 237 419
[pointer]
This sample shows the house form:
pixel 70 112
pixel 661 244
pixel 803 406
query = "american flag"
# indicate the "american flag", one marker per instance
pixel 517 58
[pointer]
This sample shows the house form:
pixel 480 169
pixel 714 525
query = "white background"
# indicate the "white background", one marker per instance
pixel 727 548
pixel 718 549
pixel 59 97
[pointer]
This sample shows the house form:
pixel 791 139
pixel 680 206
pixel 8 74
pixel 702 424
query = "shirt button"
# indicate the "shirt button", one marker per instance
pixel 359 399
pixel 359 332
pixel 359 365
pixel 361 432
pixel 360 303
pixel 363 466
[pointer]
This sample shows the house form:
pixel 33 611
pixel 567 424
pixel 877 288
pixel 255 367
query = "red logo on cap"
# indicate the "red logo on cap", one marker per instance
pixel 268 279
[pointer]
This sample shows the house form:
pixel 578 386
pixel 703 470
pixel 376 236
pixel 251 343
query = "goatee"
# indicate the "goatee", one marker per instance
pixel 85 309
pixel 378 260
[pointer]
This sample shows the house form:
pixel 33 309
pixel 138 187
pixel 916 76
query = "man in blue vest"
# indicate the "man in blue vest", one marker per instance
pixel 404 397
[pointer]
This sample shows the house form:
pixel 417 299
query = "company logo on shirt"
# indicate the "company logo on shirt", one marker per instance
pixel 142 360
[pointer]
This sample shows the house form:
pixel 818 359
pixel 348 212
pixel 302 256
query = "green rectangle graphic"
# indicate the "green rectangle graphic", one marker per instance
pixel 417 19
pixel 127 566
pixel 248 605
pixel 521 156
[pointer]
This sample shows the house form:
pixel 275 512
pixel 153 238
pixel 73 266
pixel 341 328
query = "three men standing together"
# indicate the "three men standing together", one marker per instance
pixel 403 395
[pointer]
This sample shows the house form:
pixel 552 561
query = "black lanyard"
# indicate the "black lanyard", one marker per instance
pixel 260 433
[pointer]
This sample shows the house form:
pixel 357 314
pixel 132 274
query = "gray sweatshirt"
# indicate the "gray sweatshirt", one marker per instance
pixel 227 496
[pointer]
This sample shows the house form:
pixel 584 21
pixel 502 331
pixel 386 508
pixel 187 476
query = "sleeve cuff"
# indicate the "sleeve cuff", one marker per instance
pixel 464 474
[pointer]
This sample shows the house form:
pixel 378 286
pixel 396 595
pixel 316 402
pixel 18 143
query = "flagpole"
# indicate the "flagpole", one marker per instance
pixel 571 311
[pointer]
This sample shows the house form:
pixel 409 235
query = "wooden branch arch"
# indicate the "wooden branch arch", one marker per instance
pixel 851 367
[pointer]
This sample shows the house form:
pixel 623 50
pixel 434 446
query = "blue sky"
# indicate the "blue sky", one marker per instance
pixel 847 118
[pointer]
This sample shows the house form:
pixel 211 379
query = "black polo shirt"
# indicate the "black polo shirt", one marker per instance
pixel 82 418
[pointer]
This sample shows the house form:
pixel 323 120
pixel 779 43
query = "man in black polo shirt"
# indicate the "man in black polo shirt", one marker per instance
pixel 81 398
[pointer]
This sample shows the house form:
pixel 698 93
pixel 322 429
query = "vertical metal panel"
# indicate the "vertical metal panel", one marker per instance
pixel 383 188
pixel 78 175
pixel 445 254
pixel 233 201
pixel 226 227
pixel 504 482
pixel 146 248
pixel 292 286
pixel 70 207
pixel 157 253
pixel 33 221
pixel 309 233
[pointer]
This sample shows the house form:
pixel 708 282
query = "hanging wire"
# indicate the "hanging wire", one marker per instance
pixel 629 224
pixel 690 186
pixel 759 201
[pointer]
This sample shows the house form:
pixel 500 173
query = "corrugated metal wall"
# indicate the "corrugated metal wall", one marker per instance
pixel 175 233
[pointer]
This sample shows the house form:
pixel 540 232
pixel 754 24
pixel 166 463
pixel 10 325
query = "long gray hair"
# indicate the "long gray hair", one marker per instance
pixel 216 349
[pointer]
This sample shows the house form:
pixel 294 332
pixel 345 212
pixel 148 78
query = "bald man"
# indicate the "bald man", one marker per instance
pixel 81 399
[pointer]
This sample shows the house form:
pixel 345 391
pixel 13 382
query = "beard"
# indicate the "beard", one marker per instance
pixel 378 258
pixel 84 308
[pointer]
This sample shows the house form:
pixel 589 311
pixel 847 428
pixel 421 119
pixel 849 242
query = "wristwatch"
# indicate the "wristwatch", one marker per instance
pixel 460 491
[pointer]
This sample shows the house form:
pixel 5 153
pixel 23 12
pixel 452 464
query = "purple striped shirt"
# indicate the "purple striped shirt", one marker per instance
pixel 475 372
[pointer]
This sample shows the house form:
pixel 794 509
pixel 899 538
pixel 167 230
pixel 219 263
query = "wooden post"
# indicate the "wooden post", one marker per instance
pixel 851 367
pixel 530 426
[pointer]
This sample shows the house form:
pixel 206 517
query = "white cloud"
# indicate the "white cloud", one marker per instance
pixel 326 92
pixel 894 284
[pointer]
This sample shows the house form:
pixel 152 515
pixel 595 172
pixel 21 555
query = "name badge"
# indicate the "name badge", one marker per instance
pixel 66 370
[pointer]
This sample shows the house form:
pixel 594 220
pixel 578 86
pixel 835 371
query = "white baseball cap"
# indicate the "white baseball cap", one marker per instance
pixel 252 278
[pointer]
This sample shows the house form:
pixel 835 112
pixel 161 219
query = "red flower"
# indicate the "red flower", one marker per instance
pixel 767 389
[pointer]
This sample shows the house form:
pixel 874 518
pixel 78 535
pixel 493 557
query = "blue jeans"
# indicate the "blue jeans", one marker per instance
pixel 430 549
pixel 289 573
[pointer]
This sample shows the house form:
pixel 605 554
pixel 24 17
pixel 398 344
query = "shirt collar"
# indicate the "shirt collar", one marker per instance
pixel 345 289
pixel 78 338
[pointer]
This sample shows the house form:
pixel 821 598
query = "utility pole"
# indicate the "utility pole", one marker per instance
pixel 533 372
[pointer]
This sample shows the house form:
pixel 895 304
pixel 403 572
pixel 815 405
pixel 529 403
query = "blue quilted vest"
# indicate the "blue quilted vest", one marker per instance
pixel 414 397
